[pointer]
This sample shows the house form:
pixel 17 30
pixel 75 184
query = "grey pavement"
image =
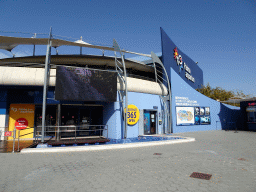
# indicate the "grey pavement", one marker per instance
pixel 230 158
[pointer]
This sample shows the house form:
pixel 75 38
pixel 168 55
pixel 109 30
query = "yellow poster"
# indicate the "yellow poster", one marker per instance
pixel 22 117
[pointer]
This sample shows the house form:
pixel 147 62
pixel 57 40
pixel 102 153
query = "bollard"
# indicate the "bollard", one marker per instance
pixel 236 129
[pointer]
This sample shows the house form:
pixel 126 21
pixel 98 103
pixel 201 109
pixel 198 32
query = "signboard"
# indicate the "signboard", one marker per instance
pixel 21 123
pixel 193 115
pixel 80 84
pixel 183 65
pixel 133 115
pixel 7 133
pixel 185 115
pixel 22 116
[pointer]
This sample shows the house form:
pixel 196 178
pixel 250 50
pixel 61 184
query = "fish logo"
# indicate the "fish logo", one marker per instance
pixel 14 109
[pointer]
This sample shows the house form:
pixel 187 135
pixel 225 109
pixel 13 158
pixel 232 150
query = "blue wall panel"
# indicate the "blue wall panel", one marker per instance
pixel 112 114
pixel 169 62
pixel 222 116
pixel 3 108
pixel 144 101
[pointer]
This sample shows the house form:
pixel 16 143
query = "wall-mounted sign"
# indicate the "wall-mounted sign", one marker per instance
pixel 133 115
pixel 193 115
pixel 185 101
pixel 21 123
pixel 183 65
pixel 22 117
pixel 185 115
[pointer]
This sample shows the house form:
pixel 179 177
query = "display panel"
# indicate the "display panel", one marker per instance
pixel 197 120
pixel 197 110
pixel 185 115
pixel 207 110
pixel 205 120
pixel 79 84
pixel 201 110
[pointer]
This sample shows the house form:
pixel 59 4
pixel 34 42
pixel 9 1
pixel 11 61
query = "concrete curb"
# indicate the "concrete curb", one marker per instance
pixel 104 147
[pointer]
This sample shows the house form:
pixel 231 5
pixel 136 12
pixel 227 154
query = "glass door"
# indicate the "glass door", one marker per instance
pixel 69 120
pixel 50 119
pixel 149 122
pixel 85 122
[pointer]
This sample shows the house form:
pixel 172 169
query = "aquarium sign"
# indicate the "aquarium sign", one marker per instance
pixel 183 65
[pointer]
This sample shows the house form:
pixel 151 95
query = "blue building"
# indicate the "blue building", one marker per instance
pixel 93 94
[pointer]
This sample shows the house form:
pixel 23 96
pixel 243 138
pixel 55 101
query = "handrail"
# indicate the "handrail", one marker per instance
pixel 71 128
pixel 105 127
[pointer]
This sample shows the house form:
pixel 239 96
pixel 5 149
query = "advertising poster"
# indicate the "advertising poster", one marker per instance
pixel 197 110
pixel 197 120
pixel 205 120
pixel 185 115
pixel 207 110
pixel 22 117
pixel 146 122
pixel 202 111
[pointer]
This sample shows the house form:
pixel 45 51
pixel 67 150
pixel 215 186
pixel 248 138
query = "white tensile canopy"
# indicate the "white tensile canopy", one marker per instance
pixel 8 43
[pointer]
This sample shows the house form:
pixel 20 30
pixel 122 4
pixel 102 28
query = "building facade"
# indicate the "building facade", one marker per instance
pixel 150 110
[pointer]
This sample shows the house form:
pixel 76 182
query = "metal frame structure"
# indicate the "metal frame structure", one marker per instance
pixel 121 72
pixel 168 98
pixel 46 81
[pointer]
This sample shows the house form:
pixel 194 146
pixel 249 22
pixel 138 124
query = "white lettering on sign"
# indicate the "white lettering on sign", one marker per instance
pixel 189 77
pixel 187 68
pixel 184 101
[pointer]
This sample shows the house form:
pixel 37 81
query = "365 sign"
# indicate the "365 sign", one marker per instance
pixel 133 115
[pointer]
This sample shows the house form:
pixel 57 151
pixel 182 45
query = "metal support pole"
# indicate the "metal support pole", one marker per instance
pixel 81 38
pixel 34 50
pixel 58 121
pixel 155 71
pixel 75 133
pixel 123 76
pixel 126 100
pixel 14 136
pixel 46 80
pixel 19 140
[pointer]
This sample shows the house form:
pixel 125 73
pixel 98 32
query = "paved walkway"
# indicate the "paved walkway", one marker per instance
pixel 230 158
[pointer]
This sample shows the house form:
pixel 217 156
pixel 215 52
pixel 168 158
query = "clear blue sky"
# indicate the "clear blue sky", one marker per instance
pixel 220 35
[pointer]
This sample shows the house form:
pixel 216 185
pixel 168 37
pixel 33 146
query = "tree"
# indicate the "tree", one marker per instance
pixel 220 94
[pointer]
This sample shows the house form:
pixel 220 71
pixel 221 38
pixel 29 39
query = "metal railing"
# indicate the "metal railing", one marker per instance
pixel 57 133
pixel 61 132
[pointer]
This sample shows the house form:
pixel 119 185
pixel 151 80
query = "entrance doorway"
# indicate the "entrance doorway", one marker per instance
pixel 149 122
pixel 50 119
pixel 84 119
